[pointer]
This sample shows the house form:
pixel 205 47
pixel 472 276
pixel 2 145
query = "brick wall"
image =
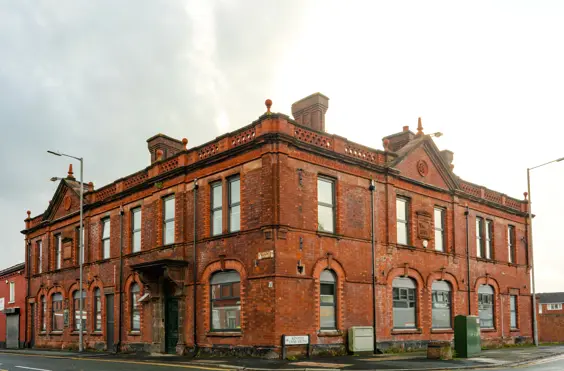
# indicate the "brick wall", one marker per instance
pixel 18 278
pixel 280 293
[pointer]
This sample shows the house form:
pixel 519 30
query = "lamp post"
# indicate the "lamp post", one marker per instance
pixel 530 244
pixel 81 246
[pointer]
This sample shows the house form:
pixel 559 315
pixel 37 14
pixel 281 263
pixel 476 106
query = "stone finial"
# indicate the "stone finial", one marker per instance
pixel 419 127
pixel 160 154
pixel 525 194
pixel 28 214
pixel 386 145
pixel 185 143
pixel 268 104
pixel 70 173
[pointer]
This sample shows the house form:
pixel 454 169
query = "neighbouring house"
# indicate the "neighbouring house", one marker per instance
pixel 12 306
pixel 266 231
pixel 551 316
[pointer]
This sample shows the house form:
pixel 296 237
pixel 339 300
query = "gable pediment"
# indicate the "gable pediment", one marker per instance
pixel 65 201
pixel 423 162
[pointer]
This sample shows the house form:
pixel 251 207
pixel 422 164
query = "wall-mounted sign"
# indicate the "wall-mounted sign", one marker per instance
pixel 265 255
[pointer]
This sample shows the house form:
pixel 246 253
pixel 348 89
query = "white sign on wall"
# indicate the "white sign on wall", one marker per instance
pixel 1 303
pixel 296 340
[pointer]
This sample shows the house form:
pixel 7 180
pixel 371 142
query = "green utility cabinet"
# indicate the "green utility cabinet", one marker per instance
pixel 467 336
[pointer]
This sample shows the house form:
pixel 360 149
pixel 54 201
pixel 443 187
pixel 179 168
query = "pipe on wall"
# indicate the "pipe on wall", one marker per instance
pixel 195 269
pixel 121 213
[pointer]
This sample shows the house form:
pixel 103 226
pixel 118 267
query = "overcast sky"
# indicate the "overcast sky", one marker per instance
pixel 97 78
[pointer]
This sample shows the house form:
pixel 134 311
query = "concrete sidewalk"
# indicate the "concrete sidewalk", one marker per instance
pixel 406 361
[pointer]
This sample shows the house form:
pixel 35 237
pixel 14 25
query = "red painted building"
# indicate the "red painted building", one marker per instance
pixel 13 291
pixel 266 231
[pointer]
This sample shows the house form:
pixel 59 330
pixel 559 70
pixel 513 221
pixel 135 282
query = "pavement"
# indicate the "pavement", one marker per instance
pixel 496 358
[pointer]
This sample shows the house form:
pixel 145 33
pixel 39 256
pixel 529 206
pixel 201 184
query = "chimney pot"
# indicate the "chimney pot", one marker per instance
pixel 406 128
pixel 167 145
pixel 310 111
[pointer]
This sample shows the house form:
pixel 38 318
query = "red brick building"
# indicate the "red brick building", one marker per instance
pixel 550 316
pixel 13 291
pixel 272 223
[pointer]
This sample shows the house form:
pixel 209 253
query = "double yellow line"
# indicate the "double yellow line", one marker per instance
pixel 117 361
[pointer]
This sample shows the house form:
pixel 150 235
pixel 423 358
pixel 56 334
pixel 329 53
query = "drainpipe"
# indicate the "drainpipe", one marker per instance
pixel 195 269
pixel 468 261
pixel 372 241
pixel 28 268
pixel 121 213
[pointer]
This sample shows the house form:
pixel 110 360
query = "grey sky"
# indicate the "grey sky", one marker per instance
pixel 97 78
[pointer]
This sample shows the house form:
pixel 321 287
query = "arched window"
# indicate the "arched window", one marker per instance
pixel 327 302
pixel 57 311
pixel 77 317
pixel 485 306
pixel 97 310
pixel 405 302
pixel 135 307
pixel 225 290
pixel 43 313
pixel 442 300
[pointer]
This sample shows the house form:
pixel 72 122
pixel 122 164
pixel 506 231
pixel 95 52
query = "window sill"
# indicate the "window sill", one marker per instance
pixel 329 333
pixel 400 331
pixel 76 333
pixel 222 235
pixel 488 330
pixel 134 333
pixel 485 260
pixel 328 234
pixel 442 331
pixel 514 330
pixel 96 333
pixel 407 247
pixel 224 334
pixel 56 333
pixel 43 333
pixel 11 302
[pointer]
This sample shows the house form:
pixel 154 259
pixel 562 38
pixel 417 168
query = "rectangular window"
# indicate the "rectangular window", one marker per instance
pixel 168 220
pixel 441 305
pixel 234 204
pixel 226 304
pixel 106 238
pixel 97 310
pixel 216 208
pixel 402 218
pixel 12 292
pixel 511 243
pixel 58 248
pixel 485 310
pixel 439 229
pixel 489 239
pixel 554 306
pixel 513 310
pixel 136 230
pixel 479 237
pixel 404 307
pixel 57 312
pixel 325 205
pixel 39 256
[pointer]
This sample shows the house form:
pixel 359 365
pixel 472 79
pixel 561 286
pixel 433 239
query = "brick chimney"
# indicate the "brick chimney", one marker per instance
pixel 310 111
pixel 169 146
pixel 398 140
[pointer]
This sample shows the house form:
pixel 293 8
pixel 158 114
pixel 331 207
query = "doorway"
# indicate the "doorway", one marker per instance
pixel 110 343
pixel 33 324
pixel 171 324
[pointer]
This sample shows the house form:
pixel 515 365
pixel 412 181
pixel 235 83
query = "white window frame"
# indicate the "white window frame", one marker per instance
pixel 108 238
pixel 440 228
pixel 139 213
pixel 39 256
pixel 12 292
pixel 58 251
pixel 400 223
pixel 554 306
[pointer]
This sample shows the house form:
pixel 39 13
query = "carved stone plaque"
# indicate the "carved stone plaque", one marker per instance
pixel 424 226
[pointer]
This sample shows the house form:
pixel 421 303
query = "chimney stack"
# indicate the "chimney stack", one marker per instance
pixel 169 147
pixel 448 156
pixel 396 141
pixel 310 111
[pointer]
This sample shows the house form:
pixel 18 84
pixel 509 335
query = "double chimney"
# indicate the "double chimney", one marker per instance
pixel 310 111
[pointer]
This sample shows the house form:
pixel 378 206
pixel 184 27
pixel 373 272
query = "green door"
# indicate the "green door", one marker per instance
pixel 171 325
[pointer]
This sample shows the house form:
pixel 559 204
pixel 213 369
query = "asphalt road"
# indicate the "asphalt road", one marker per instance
pixel 11 362
pixel 17 362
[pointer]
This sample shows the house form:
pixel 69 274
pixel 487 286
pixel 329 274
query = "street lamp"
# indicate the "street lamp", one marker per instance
pixel 81 244
pixel 530 243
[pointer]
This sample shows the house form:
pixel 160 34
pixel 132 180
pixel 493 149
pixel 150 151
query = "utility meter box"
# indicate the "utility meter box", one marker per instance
pixel 361 339
pixel 467 336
